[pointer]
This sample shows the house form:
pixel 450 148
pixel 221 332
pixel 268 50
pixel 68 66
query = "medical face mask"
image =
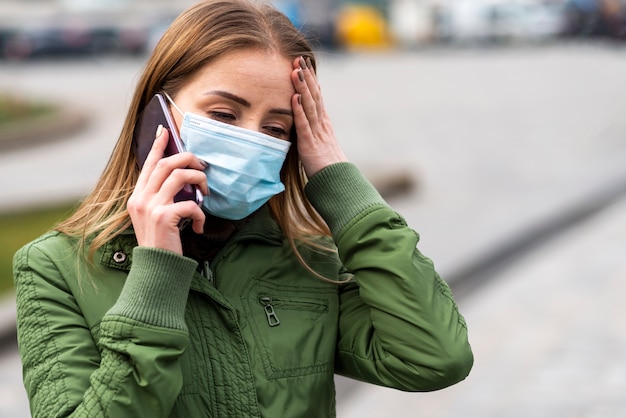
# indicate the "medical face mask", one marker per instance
pixel 243 166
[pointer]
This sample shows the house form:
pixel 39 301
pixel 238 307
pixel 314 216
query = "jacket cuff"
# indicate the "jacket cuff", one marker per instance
pixel 339 193
pixel 156 288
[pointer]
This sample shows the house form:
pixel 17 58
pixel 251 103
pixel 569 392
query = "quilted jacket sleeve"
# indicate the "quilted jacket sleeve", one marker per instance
pixel 132 370
pixel 399 325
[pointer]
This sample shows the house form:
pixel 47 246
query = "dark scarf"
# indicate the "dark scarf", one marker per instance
pixel 203 247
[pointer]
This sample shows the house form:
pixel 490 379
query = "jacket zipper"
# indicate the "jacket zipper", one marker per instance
pixel 270 304
pixel 207 273
pixel 270 313
pixel 299 305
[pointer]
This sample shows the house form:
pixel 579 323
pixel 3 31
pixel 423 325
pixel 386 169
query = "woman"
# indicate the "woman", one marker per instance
pixel 251 309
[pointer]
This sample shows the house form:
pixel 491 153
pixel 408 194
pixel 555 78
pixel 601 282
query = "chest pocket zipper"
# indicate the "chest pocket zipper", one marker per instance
pixel 270 304
pixel 272 318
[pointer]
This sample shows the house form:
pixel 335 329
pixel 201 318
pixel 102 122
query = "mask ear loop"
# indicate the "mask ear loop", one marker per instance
pixel 173 104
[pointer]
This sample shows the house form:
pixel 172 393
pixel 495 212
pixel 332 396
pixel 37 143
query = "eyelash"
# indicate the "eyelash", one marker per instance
pixel 223 116
pixel 277 132
pixel 229 118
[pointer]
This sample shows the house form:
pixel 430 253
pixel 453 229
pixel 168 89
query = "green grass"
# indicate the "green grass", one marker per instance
pixel 21 227
pixel 15 109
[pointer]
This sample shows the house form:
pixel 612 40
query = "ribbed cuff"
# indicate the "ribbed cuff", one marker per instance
pixel 339 193
pixel 156 289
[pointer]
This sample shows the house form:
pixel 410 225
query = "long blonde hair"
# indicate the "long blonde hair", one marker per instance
pixel 198 36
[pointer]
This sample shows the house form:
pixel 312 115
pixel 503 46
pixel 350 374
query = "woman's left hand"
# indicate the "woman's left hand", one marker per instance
pixel 317 144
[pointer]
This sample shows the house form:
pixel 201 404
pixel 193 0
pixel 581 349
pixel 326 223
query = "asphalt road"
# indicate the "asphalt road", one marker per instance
pixel 504 144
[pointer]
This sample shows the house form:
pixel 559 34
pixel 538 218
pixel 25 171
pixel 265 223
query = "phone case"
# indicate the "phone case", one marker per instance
pixel 157 113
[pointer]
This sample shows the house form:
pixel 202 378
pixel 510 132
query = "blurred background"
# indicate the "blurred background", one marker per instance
pixel 495 127
pixel 35 28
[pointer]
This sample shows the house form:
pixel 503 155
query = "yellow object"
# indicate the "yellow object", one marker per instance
pixel 362 27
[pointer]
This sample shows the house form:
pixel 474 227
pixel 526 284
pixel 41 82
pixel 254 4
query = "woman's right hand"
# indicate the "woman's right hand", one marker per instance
pixel 153 212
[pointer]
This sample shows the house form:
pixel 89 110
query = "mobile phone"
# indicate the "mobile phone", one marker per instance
pixel 158 113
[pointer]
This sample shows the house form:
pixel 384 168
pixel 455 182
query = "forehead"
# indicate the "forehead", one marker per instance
pixel 247 71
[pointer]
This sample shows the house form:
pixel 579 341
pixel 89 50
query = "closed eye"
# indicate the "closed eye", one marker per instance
pixel 223 116
pixel 276 132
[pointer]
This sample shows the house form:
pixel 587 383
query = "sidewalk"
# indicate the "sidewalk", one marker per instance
pixel 547 334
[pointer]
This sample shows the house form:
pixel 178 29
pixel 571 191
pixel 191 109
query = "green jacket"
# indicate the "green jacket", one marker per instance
pixel 144 334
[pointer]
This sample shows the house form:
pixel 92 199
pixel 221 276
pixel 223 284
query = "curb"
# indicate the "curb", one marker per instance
pixel 390 183
pixel 482 271
pixel 53 126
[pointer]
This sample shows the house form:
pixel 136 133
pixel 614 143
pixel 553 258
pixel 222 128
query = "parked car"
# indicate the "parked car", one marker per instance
pixel 596 18
pixel 362 27
pixel 503 20
pixel 62 38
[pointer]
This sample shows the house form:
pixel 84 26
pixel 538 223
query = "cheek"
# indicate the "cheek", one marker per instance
pixel 178 121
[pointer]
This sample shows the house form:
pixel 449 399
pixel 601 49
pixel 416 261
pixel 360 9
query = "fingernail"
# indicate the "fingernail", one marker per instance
pixel 203 163
pixel 300 75
pixel 159 131
pixel 302 63
pixel 299 99
pixel 309 63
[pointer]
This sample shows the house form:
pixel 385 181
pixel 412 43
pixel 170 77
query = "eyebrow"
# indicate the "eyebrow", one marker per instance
pixel 244 102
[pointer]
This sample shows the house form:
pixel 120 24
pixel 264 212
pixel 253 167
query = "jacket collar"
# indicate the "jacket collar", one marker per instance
pixel 261 227
pixel 118 252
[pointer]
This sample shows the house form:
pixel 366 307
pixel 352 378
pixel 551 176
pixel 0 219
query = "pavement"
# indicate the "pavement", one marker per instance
pixel 547 333
pixel 518 162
